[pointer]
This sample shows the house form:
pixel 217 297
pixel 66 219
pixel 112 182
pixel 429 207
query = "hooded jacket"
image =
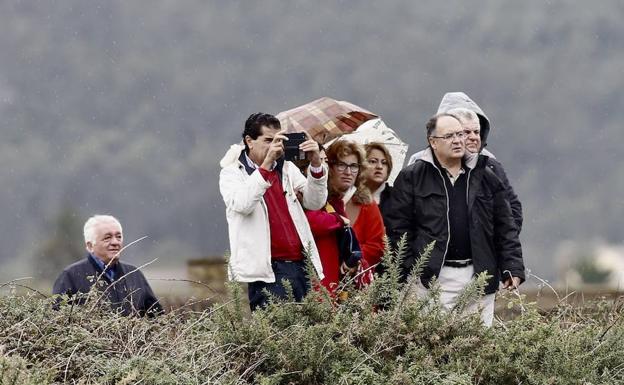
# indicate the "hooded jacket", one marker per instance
pixel 419 208
pixel 452 100
pixel 248 220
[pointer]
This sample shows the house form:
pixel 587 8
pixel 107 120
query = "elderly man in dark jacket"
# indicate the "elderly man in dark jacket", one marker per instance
pixel 124 285
pixel 462 205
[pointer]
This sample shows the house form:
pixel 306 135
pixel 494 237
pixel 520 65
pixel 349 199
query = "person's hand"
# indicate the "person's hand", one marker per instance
pixel 312 150
pixel 344 269
pixel 276 150
pixel 345 221
pixel 511 283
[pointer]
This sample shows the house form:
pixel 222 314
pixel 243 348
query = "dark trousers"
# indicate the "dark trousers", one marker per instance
pixel 293 272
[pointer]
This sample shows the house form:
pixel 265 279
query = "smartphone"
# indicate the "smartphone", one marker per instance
pixel 291 146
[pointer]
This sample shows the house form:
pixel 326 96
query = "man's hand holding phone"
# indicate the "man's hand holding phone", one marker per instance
pixel 301 145
pixel 312 150
pixel 276 150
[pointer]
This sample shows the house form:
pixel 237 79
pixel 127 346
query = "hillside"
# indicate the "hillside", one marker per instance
pixel 126 107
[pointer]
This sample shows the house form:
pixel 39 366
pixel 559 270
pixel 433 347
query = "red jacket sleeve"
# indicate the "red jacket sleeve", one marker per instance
pixel 369 230
pixel 322 222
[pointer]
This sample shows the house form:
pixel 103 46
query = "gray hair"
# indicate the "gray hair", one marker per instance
pixel 89 227
pixel 464 114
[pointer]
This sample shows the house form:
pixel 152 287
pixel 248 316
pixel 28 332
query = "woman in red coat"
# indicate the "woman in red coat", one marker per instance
pixel 325 224
pixel 349 203
pixel 346 183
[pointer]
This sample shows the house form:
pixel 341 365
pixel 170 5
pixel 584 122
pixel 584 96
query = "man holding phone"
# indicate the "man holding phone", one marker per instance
pixel 268 230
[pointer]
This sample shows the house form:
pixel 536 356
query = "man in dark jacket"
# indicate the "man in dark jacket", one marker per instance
pixel 123 284
pixel 462 205
pixel 477 129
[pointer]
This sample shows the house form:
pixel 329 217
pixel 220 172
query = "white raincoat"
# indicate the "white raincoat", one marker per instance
pixel 247 216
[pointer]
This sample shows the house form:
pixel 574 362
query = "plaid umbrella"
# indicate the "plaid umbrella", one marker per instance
pixel 324 119
pixel 377 131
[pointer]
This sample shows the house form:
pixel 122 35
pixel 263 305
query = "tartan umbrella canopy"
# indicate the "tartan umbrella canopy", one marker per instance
pixel 324 119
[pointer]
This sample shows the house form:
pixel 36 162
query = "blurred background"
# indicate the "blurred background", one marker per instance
pixel 126 108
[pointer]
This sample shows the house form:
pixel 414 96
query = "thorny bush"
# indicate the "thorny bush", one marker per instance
pixel 380 335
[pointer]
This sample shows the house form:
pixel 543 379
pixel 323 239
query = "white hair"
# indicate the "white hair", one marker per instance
pixel 89 227
pixel 464 114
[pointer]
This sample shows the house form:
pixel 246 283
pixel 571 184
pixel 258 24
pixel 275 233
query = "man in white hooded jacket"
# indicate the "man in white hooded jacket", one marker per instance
pixel 268 230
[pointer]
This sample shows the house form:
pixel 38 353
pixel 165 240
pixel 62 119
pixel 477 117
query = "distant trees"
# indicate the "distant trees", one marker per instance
pixel 590 272
pixel 147 96
pixel 63 244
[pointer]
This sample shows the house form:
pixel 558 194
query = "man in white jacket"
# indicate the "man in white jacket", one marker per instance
pixel 268 230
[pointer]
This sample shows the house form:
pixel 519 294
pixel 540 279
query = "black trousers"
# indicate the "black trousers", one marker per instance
pixel 293 272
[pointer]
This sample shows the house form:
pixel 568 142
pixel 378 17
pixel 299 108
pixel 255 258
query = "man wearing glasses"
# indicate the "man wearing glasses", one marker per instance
pixel 477 129
pixel 462 207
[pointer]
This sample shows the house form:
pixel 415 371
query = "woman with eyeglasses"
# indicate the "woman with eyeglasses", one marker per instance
pixel 347 190
pixel 379 169
pixel 349 203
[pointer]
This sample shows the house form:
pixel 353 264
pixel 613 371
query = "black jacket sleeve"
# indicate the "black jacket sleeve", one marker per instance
pixel 399 216
pixel 512 197
pixel 151 306
pixel 64 284
pixel 507 244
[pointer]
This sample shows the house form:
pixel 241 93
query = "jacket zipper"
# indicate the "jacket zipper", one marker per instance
pixel 469 207
pixel 448 222
pixel 467 189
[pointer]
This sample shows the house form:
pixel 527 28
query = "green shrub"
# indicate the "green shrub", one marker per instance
pixel 380 335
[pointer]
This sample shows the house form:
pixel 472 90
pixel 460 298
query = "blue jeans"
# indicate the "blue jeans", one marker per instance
pixel 293 272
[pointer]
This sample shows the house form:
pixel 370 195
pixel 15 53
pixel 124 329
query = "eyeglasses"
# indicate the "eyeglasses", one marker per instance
pixel 449 136
pixel 468 132
pixel 353 167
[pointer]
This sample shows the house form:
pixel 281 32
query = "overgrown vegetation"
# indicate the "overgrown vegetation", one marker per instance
pixel 381 335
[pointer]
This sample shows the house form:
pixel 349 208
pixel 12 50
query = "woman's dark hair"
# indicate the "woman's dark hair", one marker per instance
pixel 254 123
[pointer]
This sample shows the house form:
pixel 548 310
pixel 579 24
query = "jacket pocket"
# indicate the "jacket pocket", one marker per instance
pixel 484 211
pixel 430 206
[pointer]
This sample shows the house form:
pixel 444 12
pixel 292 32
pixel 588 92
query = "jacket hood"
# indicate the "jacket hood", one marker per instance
pixel 452 100
pixel 426 155
pixel 232 154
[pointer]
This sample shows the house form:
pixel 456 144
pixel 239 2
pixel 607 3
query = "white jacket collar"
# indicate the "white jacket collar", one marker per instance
pixel 232 154
pixel 349 194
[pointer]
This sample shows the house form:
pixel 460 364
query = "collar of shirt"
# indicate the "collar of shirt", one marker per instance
pixel 349 194
pixel 110 272
pixel 452 178
pixel 253 165
pixel 377 193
